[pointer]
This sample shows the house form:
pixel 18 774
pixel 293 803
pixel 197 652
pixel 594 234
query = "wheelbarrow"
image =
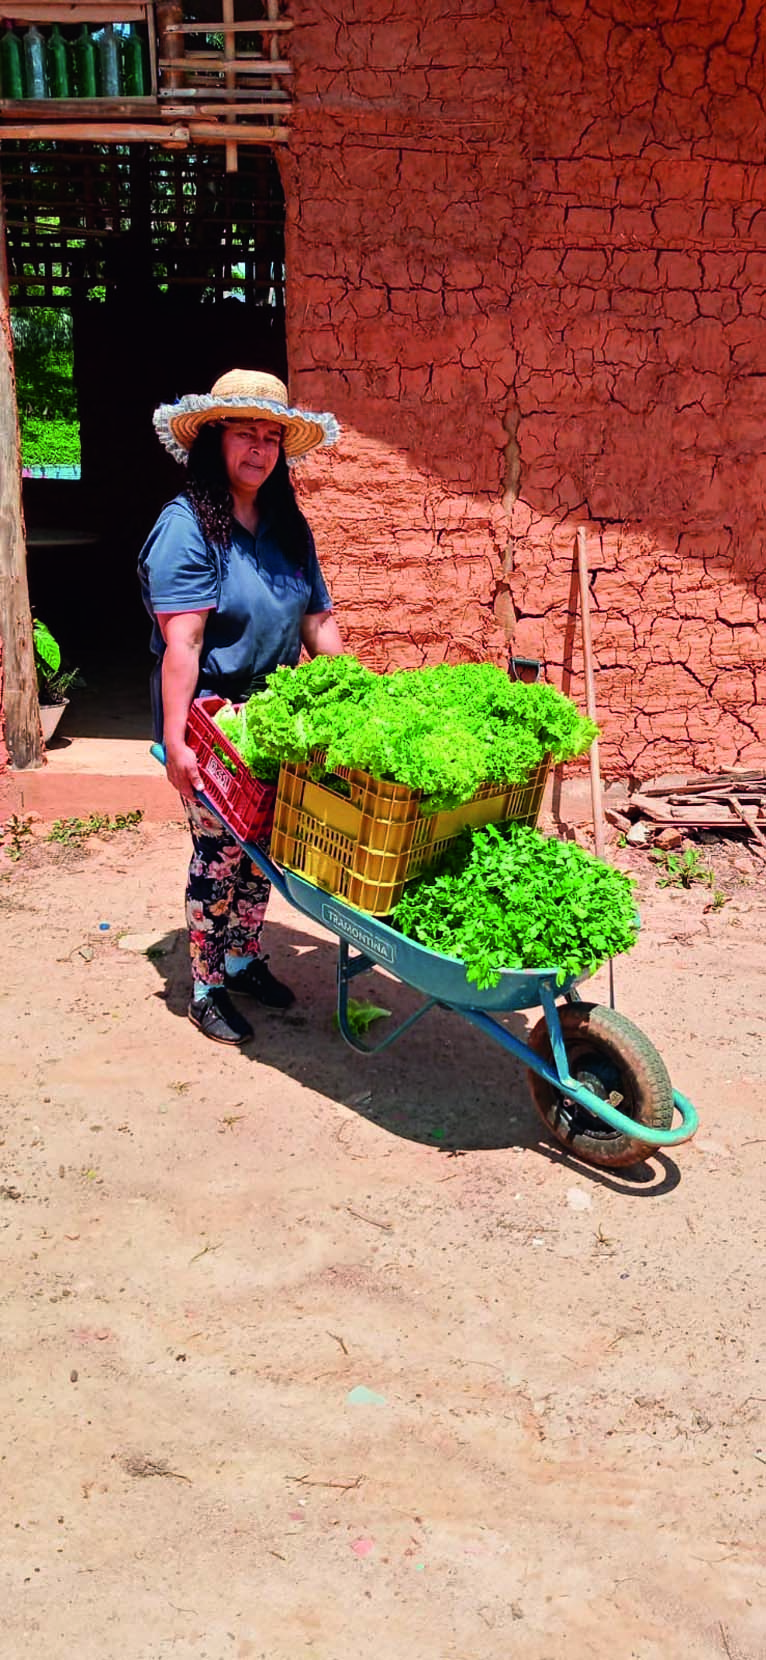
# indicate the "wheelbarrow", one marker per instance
pixel 600 1086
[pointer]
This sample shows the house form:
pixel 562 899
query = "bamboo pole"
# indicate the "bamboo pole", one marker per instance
pixel 272 11
pixel 91 11
pixel 249 27
pixel 230 78
pixel 171 137
pixel 171 46
pixel 22 713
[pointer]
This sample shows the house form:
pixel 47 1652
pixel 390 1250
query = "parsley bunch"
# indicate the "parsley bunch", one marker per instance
pixel 511 898
pixel 443 730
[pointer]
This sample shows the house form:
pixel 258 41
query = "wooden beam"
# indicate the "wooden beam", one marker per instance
pixel 253 107
pixel 281 25
pixel 247 64
pixel 97 132
pixel 244 133
pixel 23 736
pixel 82 11
pixel 171 137
pixel 79 109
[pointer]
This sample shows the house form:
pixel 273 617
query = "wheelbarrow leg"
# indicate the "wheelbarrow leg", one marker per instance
pixel 348 968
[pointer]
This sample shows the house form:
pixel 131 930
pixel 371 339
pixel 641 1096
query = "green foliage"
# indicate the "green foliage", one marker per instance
pixel 442 730
pixel 14 835
pixel 49 442
pixel 47 650
pixel 74 831
pixel 233 724
pixel 46 393
pixel 682 870
pixel 511 898
pixel 53 682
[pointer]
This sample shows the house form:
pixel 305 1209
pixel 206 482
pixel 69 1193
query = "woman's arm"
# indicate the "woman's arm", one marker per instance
pixel 321 636
pixel 183 633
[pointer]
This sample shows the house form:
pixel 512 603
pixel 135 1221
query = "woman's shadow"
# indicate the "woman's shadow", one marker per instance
pixel 445 1085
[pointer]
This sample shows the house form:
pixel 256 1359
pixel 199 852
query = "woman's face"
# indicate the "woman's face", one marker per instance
pixel 250 451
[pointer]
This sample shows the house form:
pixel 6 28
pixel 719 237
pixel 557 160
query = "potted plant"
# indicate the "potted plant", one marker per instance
pixel 53 682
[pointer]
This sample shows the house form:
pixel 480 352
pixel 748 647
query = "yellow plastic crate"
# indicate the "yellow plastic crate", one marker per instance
pixel 364 845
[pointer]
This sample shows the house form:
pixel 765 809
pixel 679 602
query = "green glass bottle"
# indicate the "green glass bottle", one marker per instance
pixel 35 76
pixel 133 73
pixel 85 60
pixel 109 62
pixel 58 67
pixel 10 62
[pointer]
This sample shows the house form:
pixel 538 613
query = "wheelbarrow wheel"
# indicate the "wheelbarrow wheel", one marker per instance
pixel 611 1057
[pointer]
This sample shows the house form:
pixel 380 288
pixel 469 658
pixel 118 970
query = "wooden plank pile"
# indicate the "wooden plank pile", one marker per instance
pixel 719 802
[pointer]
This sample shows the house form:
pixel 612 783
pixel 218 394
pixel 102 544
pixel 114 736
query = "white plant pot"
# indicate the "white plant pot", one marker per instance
pixel 50 715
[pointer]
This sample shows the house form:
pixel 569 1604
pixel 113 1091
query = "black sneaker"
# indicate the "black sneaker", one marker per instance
pixel 258 982
pixel 216 1017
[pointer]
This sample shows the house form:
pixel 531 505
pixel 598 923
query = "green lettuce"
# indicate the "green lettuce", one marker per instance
pixel 232 723
pixel 442 731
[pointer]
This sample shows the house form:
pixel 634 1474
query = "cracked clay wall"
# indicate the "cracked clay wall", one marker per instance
pixel 527 269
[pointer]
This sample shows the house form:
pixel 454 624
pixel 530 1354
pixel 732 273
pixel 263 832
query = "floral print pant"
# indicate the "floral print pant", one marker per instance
pixel 226 898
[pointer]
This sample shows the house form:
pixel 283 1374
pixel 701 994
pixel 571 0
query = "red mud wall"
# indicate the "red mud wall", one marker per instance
pixel 527 269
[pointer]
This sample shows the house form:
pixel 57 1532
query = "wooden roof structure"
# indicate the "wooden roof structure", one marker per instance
pixel 217 74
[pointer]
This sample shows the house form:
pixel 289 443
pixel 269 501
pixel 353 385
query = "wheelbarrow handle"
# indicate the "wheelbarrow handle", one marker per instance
pixel 265 865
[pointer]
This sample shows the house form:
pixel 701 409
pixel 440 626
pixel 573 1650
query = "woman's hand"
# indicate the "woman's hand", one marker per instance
pixel 182 770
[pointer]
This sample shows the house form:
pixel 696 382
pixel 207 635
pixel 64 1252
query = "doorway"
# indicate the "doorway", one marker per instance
pixel 171 271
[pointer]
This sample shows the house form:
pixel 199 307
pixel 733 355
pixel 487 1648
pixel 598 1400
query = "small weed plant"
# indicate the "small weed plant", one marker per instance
pixel 682 870
pixel 73 831
pixel 14 834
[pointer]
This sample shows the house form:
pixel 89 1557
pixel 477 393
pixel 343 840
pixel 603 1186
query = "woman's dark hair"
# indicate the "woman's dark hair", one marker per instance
pixel 209 492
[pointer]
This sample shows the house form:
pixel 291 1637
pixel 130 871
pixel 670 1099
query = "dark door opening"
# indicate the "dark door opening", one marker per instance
pixel 172 271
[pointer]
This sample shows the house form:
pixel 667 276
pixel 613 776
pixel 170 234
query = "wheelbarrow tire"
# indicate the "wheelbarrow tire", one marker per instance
pixel 606 1052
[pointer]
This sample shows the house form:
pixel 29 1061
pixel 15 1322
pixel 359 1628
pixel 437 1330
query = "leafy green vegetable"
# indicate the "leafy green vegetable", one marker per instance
pixel 232 723
pixel 361 1015
pixel 443 730
pixel 511 898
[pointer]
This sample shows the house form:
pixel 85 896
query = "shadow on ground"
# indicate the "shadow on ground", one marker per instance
pixel 444 1085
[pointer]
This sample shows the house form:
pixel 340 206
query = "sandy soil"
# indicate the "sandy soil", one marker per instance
pixel 310 1354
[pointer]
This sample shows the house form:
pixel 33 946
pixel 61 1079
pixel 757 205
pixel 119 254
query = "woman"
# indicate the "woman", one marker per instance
pixel 230 576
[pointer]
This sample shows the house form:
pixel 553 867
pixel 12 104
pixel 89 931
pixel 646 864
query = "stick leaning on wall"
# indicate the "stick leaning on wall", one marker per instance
pixel 596 793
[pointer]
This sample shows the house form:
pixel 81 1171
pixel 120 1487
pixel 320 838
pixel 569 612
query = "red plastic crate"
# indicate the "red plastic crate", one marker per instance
pixel 244 803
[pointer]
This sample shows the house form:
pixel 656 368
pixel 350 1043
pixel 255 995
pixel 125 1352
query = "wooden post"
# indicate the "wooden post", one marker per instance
pixel 22 713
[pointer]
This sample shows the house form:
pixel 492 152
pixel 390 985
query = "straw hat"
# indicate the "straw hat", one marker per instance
pixel 247 394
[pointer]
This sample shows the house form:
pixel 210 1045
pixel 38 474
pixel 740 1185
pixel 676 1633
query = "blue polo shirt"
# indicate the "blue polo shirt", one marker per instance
pixel 255 598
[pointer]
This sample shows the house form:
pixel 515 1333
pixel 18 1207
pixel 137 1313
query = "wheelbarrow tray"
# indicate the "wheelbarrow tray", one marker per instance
pixel 443 978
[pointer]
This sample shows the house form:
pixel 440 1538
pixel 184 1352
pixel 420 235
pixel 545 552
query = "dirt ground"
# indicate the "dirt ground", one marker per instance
pixel 307 1354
